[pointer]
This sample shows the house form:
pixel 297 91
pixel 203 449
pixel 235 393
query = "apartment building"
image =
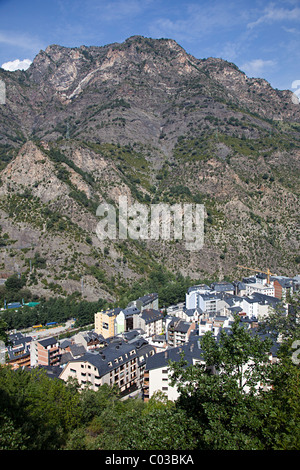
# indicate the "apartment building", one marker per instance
pixel 151 321
pixel 208 303
pixel 178 331
pixel 193 293
pixel 105 322
pixel 157 373
pixel 187 314
pixel 146 302
pixel 266 289
pixel 45 352
pixel 125 319
pixel 89 339
pixel 18 351
pixel 119 363
pixel 282 287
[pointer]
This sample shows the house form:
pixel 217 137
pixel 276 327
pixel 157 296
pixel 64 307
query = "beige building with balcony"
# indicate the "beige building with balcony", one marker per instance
pixel 121 364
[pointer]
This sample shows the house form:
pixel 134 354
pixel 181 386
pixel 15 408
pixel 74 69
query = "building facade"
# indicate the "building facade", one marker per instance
pixel 105 322
pixel 151 321
pixel 45 352
pixel 157 373
pixel 119 363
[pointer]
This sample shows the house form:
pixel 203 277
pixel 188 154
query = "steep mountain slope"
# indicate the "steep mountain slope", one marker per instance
pixel 147 120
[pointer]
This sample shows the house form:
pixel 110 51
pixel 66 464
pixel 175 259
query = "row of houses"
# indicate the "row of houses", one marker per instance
pixel 273 286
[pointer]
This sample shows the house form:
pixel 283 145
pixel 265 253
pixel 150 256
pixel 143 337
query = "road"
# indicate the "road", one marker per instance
pixel 47 332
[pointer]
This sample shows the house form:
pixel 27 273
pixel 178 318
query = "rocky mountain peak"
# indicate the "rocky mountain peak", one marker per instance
pixel 145 119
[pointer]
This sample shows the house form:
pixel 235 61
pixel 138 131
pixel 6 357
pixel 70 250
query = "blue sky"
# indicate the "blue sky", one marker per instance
pixel 261 37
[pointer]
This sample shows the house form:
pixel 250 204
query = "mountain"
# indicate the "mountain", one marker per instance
pixel 147 120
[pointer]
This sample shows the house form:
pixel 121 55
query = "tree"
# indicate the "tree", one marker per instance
pixel 3 329
pixel 41 410
pixel 224 394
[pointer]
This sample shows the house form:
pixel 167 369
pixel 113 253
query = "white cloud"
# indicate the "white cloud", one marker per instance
pixel 272 13
pixel 17 64
pixel 256 67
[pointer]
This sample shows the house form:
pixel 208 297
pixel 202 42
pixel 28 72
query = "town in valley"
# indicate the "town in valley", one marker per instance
pixel 131 348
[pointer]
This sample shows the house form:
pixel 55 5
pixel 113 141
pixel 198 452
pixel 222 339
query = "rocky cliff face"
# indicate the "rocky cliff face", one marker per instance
pixel 147 120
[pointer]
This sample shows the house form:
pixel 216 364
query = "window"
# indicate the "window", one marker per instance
pixel 105 326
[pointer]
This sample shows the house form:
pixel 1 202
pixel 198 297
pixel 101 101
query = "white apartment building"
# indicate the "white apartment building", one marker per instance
pixel 266 289
pixel 192 295
pixel 157 371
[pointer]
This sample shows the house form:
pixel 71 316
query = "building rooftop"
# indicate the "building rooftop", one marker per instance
pixel 222 286
pixel 48 341
pixel 191 350
pixel 151 315
pixel 199 287
pixel 115 354
pixel 129 311
pixel 146 299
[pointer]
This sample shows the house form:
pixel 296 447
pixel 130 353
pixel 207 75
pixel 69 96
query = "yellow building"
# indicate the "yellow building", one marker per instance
pixel 105 322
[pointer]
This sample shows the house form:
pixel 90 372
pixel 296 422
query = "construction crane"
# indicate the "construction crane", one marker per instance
pixel 268 272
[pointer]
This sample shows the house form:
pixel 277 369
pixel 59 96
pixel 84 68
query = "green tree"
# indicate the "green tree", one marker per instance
pixel 3 329
pixel 224 394
pixel 41 410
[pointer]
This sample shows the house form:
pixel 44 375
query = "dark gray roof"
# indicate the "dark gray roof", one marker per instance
pixel 15 336
pixel 209 296
pixel 146 299
pixel 191 351
pixel 198 287
pixel 151 315
pixel 128 311
pixel 192 311
pixel 52 372
pixel 92 336
pixel 77 350
pixel 131 335
pixel 284 282
pixel 48 341
pixel 180 325
pixel 220 318
pixel 235 309
pixel 65 343
pixel 265 298
pixel 104 360
pixel 222 286
pixel 65 358
pixel 159 338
